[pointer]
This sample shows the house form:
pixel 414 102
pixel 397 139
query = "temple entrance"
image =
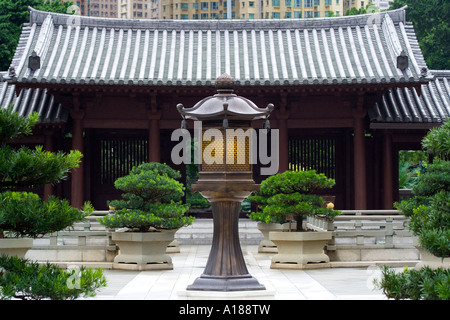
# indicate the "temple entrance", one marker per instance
pixel 324 152
pixel 114 154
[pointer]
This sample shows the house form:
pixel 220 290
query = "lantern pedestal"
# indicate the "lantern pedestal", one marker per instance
pixel 225 269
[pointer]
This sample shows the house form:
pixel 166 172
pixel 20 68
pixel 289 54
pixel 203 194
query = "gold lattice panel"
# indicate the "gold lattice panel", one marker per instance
pixel 237 153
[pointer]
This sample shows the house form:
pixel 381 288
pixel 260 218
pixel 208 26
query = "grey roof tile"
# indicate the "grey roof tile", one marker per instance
pixel 33 100
pixel 431 105
pixel 344 50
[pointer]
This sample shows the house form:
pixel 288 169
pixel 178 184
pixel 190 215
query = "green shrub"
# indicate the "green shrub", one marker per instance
pixel 22 213
pixel 289 195
pixel 25 214
pixel 422 284
pixel 437 141
pixel 429 209
pixel 151 199
pixel 27 280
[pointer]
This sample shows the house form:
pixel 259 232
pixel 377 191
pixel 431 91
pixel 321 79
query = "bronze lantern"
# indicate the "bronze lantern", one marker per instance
pixel 226 183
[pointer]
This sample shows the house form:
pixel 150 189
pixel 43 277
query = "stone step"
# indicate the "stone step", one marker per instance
pixel 201 232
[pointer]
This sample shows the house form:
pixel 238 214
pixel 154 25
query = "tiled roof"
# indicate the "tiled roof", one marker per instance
pixel 344 50
pixel 406 105
pixel 32 100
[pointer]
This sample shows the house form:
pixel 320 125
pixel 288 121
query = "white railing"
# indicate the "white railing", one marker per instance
pixel 87 235
pixel 368 229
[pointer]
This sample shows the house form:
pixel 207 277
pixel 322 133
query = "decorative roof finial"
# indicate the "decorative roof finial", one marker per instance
pixel 225 83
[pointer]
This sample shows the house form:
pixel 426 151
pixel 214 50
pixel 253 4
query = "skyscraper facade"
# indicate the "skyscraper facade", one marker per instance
pixel 250 9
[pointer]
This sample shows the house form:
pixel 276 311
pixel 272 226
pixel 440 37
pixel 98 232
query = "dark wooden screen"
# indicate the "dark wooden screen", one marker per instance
pixel 115 153
pixel 326 152
pixel 118 156
pixel 316 154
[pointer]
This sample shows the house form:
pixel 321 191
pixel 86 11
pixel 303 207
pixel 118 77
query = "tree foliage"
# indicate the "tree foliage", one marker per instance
pixel 290 196
pixel 429 209
pixel 432 27
pixel 26 167
pixel 411 284
pixel 28 280
pixel 23 213
pixel 151 199
pixel 13 14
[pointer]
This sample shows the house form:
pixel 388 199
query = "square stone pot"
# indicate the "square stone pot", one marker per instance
pixel 265 245
pixel 143 250
pixel 300 250
pixel 15 246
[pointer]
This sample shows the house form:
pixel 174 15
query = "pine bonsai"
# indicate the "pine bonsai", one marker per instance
pixel 289 196
pixel 25 213
pixel 429 208
pixel 429 213
pixel 151 200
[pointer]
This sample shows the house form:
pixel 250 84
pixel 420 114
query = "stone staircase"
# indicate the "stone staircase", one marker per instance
pixel 201 232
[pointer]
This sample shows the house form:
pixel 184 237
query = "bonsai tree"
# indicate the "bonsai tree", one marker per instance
pixel 289 196
pixel 429 208
pixel 151 200
pixel 25 213
pixel 429 213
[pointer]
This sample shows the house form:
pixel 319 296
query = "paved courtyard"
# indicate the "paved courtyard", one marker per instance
pixel 317 284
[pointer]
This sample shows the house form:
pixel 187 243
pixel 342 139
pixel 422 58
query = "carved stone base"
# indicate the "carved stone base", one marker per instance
pixel 227 283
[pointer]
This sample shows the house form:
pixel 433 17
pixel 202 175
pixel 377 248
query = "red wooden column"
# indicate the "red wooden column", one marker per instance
pixel 359 156
pixel 283 145
pixel 77 182
pixel 283 135
pixel 154 145
pixel 154 136
pixel 48 146
pixel 388 175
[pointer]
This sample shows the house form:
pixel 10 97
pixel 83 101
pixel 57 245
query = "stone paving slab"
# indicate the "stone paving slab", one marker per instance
pixel 320 284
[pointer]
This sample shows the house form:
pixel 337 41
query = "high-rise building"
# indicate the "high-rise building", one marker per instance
pixel 96 8
pixel 134 9
pixel 382 4
pixel 254 9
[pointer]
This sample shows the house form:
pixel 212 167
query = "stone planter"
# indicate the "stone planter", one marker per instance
pixel 429 260
pixel 300 250
pixel 15 246
pixel 267 246
pixel 143 250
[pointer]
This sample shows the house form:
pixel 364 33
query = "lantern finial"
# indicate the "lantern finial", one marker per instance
pixel 225 83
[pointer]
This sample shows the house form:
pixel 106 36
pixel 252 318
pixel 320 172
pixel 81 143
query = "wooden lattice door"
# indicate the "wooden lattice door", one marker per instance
pixel 115 154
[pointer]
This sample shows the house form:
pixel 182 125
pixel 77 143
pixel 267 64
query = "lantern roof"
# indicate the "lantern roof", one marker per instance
pixel 225 105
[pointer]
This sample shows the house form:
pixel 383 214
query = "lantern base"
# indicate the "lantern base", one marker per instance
pixel 227 283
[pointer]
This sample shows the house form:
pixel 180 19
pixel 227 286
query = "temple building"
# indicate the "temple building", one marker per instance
pixel 349 93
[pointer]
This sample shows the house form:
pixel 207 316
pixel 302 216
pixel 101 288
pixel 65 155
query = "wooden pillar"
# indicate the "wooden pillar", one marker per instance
pixel 154 145
pixel 48 146
pixel 77 182
pixel 283 135
pixel 154 136
pixel 283 145
pixel 388 175
pixel 359 156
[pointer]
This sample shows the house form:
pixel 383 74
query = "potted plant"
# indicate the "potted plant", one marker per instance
pixel 429 208
pixel 265 222
pixel 24 215
pixel 290 198
pixel 146 218
pixel 429 213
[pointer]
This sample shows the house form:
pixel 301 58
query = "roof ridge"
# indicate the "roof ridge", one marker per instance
pixel 397 15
